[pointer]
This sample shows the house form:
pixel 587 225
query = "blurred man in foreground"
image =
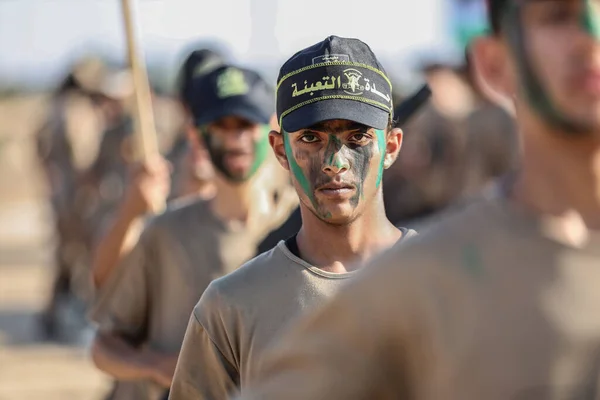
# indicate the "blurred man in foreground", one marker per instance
pixel 499 300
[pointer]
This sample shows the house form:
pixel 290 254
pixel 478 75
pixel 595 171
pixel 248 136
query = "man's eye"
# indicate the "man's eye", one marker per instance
pixel 308 138
pixel 359 138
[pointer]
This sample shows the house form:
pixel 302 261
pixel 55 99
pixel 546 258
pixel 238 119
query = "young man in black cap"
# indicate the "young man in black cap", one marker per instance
pixel 143 309
pixel 501 299
pixel 335 112
pixel 190 173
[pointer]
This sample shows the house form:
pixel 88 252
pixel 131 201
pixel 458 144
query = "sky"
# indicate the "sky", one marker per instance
pixel 39 38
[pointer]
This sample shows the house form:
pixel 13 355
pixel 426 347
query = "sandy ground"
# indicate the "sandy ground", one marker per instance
pixel 31 369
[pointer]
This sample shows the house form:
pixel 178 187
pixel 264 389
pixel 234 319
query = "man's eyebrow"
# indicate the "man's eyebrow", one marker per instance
pixel 323 127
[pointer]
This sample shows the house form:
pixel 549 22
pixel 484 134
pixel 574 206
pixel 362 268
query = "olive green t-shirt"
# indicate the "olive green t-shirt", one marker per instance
pixel 240 314
pixel 150 295
pixel 490 304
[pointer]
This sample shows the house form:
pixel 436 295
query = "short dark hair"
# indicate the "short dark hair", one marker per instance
pixel 495 8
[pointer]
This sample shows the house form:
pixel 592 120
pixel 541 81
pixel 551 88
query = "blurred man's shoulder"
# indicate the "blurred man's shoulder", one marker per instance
pixel 445 240
pixel 182 210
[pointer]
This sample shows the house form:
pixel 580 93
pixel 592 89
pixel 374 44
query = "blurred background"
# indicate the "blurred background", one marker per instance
pixel 65 99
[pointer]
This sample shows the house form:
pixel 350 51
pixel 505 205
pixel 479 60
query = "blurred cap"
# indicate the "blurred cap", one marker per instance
pixel 338 78
pixel 89 73
pixel 197 63
pixel 230 91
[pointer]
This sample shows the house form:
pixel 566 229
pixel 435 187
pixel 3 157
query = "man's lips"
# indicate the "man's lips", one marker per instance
pixel 334 188
pixel 336 185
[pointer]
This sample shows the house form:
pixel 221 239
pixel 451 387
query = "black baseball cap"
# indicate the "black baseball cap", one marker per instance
pixel 197 62
pixel 231 91
pixel 338 78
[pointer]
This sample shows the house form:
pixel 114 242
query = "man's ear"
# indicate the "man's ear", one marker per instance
pixel 276 140
pixel 392 146
pixel 492 68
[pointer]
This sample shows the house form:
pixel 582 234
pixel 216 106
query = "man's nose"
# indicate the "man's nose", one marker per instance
pixel 336 163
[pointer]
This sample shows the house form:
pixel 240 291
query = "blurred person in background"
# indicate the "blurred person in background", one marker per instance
pixel 68 145
pixel 429 173
pixel 500 299
pixel 143 307
pixel 192 171
pixel 188 171
pixel 492 147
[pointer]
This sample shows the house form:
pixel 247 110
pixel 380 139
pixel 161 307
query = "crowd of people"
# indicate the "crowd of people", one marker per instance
pixel 314 247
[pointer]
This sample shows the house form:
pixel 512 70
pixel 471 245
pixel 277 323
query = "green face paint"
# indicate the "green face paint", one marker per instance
pixel 218 154
pixel 533 89
pixel 590 20
pixel 355 159
pixel 382 146
pixel 261 150
pixel 295 168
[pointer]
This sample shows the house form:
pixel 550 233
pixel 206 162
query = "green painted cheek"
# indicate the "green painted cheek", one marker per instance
pixel 261 150
pixel 296 170
pixel 590 20
pixel 382 146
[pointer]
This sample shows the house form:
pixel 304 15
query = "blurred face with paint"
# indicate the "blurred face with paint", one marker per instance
pixel 237 146
pixel 232 108
pixel 545 55
pixel 337 166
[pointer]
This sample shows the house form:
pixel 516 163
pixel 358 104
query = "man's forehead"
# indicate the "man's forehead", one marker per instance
pixel 337 125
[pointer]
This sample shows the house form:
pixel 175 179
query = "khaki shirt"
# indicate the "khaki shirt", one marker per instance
pixel 240 314
pixel 150 296
pixel 488 305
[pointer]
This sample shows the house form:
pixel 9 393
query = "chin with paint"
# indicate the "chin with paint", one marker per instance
pixel 335 136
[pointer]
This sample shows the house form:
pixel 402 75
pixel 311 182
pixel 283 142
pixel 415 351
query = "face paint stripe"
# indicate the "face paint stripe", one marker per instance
pixel 382 146
pixel 296 170
pixel 590 20
pixel 261 150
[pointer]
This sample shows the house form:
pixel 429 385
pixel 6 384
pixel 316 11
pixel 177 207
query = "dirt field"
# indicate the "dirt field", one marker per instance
pixel 29 368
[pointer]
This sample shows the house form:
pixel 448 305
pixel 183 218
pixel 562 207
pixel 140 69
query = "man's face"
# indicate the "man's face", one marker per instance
pixel 237 147
pixel 565 55
pixel 337 167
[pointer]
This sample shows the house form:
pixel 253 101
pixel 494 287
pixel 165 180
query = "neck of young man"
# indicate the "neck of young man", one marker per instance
pixel 343 248
pixel 560 177
pixel 235 202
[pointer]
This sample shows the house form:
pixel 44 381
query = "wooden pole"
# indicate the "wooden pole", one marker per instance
pixel 146 143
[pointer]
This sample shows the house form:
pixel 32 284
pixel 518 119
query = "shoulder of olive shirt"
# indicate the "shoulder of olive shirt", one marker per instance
pixel 367 342
pixel 237 287
pixel 209 361
pixel 155 227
